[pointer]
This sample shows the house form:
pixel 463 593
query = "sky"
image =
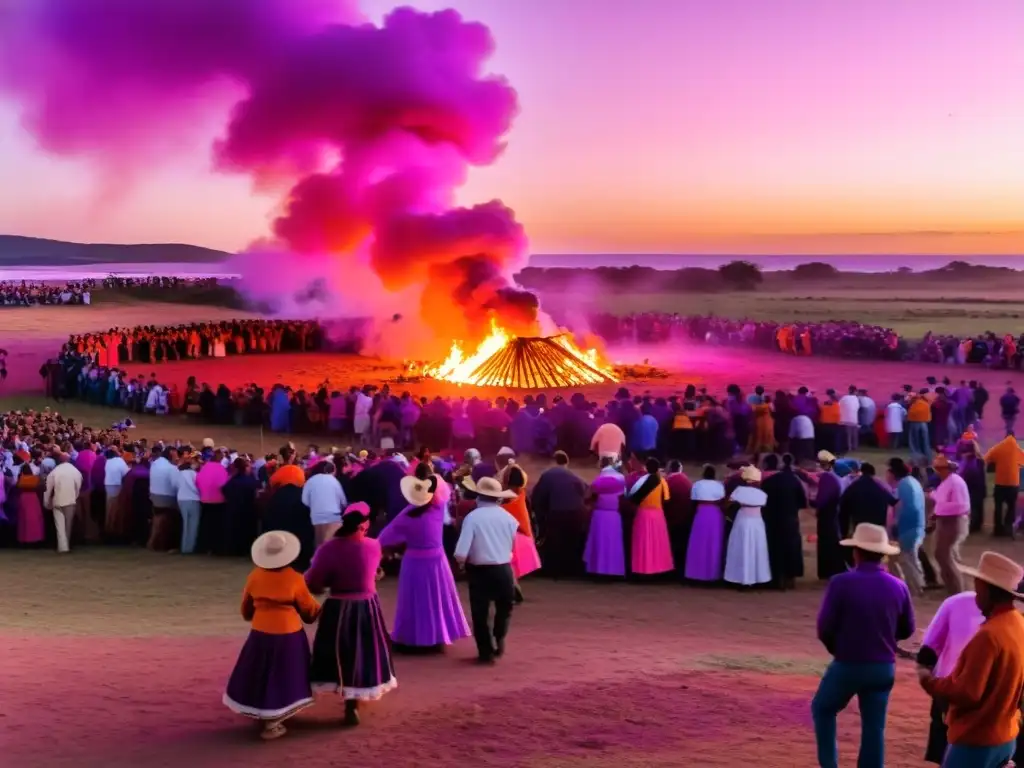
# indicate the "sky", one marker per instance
pixel 673 126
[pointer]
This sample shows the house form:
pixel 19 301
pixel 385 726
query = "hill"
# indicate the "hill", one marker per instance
pixel 16 251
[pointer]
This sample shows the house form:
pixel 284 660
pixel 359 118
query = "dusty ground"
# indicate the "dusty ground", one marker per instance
pixel 118 658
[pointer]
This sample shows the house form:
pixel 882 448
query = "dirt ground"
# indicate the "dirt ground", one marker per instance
pixel 117 658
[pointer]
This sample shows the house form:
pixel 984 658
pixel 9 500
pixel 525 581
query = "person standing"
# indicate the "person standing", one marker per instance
pixel 210 482
pixel 63 485
pixel 864 614
pixel 952 522
pixel 985 688
pixel 1009 407
pixel 849 419
pixel 954 624
pixel 558 504
pixel 910 523
pixel 605 553
pixel 826 505
pixel 781 513
pixel 325 498
pixel 895 415
pixel 114 470
pixel 351 649
pixel 163 491
pixel 1008 458
pixel 650 547
pixel 187 496
pixel 485 550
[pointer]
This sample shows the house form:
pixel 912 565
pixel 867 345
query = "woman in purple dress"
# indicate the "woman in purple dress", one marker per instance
pixel 429 614
pixel 705 552
pixel 605 553
pixel 351 650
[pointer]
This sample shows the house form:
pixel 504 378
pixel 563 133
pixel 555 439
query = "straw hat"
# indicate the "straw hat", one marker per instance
pixel 275 549
pixel 750 474
pixel 999 571
pixel 207 442
pixel 942 462
pixel 871 538
pixel 489 487
pixel 826 457
pixel 417 492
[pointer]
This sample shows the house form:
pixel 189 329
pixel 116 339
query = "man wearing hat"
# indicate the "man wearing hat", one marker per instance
pixel 826 503
pixel 985 688
pixel 952 521
pixel 864 614
pixel 485 549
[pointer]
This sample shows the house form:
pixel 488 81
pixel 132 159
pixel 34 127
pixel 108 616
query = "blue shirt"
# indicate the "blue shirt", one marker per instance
pixel 645 433
pixel 864 613
pixel 910 520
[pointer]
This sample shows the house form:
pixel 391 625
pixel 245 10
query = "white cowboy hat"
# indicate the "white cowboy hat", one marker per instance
pixel 416 491
pixel 750 474
pixel 275 549
pixel 489 487
pixel 826 457
pixel 871 538
pixel 999 571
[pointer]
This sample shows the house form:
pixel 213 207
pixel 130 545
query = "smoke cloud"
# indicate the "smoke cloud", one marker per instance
pixel 367 130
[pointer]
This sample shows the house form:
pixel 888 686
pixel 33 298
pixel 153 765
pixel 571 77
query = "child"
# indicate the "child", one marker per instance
pixel 270 682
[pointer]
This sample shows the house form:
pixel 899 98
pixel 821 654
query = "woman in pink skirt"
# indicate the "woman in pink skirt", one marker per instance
pixel 525 558
pixel 31 528
pixel 651 549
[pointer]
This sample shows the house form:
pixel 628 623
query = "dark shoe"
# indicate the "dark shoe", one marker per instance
pixel 518 598
pixel 499 651
pixel 485 660
pixel 351 714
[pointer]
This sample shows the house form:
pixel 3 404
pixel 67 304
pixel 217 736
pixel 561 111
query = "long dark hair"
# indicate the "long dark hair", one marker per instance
pixel 350 524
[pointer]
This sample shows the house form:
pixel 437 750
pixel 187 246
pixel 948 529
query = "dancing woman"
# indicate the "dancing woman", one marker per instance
pixel 351 650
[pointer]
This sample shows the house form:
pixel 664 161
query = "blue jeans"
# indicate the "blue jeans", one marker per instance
pixel 190 513
pixel 962 756
pixel 920 440
pixel 871 684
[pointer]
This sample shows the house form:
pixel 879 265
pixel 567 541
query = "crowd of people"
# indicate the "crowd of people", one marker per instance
pixel 125 283
pixel 833 338
pixel 26 293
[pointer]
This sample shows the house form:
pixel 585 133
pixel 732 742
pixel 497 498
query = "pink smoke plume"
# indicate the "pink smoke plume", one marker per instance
pixel 369 129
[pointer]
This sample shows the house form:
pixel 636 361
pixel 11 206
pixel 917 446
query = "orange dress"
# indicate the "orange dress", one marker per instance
pixel 763 438
pixel 525 558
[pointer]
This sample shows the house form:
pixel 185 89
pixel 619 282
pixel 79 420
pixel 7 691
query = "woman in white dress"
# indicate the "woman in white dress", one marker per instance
pixel 746 556
pixel 220 349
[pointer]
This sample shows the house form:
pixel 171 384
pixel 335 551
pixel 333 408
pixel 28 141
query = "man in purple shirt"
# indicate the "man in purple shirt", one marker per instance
pixel 864 613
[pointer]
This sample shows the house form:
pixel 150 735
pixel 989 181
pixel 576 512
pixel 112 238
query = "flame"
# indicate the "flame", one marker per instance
pixel 505 360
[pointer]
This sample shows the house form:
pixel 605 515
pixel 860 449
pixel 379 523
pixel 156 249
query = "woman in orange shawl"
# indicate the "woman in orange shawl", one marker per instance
pixel 762 439
pixel 525 558
pixel 31 526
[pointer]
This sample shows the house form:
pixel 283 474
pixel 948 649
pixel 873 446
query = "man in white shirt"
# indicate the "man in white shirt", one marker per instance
pixel 801 437
pixel 325 498
pixel 895 415
pixel 849 418
pixel 63 485
pixel 952 522
pixel 163 492
pixel 113 474
pixel 485 549
pixel 608 441
pixel 361 405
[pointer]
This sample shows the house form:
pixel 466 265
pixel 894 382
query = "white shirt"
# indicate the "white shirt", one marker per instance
pixel 63 485
pixel 487 537
pixel 608 439
pixel 955 623
pixel 163 478
pixel 153 398
pixel 363 405
pixel 186 485
pixel 895 415
pixel 952 497
pixel 868 409
pixel 801 428
pixel 849 405
pixel 114 471
pixel 323 495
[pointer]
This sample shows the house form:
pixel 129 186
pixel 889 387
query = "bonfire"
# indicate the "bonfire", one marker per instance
pixel 523 362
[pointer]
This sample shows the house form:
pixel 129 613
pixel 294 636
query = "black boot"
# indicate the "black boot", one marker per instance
pixel 351 712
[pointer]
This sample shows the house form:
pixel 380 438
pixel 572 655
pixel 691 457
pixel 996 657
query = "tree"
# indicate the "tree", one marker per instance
pixel 814 270
pixel 741 275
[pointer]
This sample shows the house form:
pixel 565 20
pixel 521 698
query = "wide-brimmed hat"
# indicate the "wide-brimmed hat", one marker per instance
pixel 207 442
pixel 750 474
pixel 489 487
pixel 275 549
pixel 417 492
pixel 942 462
pixel 999 571
pixel 826 457
pixel 871 538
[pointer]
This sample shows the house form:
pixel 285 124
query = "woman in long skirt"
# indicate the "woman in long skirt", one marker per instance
pixel 429 614
pixel 352 649
pixel 31 526
pixel 650 548
pixel 270 682
pixel 746 556
pixel 525 558
pixel 705 551
pixel 605 553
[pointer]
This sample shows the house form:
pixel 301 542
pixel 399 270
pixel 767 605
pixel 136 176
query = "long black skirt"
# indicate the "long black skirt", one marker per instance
pixel 352 650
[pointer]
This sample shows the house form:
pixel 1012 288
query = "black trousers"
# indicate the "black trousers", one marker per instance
pixel 936 748
pixel 490 584
pixel 977 514
pixel 1005 499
